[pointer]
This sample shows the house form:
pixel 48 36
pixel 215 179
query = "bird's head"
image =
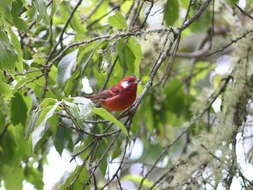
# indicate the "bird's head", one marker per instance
pixel 129 83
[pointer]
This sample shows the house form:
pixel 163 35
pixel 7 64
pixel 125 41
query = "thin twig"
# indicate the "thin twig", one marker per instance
pixel 68 21
pixel 153 72
pixel 75 177
pixel 148 13
pixel 103 16
pixel 185 130
pixel 195 54
pixel 243 12
pixel 51 27
pixel 93 10
pixel 109 73
pixel 118 180
pixel 27 72
pixel 229 44
pixel 119 168
pixel 29 81
pixel 63 30
pixel 197 15
pixel 101 158
pixel 83 150
pixel 4 131
pixel 80 129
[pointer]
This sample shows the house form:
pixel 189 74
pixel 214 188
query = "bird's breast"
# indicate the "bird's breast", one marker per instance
pixel 120 102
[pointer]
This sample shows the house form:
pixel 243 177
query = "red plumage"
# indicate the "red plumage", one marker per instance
pixel 119 96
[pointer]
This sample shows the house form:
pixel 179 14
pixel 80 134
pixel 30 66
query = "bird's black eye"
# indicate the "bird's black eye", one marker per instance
pixel 129 81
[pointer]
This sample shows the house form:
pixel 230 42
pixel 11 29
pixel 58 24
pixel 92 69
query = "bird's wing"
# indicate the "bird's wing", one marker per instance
pixel 101 95
pixel 115 89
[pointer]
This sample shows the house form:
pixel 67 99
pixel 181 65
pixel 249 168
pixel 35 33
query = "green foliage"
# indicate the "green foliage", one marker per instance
pixel 75 23
pixel 178 101
pixel 33 176
pixel 4 89
pixel 40 6
pixel 63 139
pixel 126 56
pixel 65 66
pixel 232 2
pixel 249 3
pixel 106 115
pixel 18 110
pixel 171 12
pixel 138 179
pixel 41 123
pixel 13 173
pixel 8 56
pixel 76 179
pixel 117 21
pixel 202 22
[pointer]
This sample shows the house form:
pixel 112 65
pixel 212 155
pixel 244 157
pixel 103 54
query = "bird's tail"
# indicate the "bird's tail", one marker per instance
pixel 92 98
pixel 87 96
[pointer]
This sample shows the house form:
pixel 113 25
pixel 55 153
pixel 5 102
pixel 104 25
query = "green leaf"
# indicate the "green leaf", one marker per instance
pixel 117 20
pixel 184 4
pixel 4 89
pixel 202 23
pixel 11 173
pixel 2 122
pixel 101 149
pixel 232 2
pixel 5 11
pixel 5 4
pixel 177 103
pixel 126 5
pixel 34 176
pixel 126 56
pixel 106 115
pixel 69 87
pixel 16 8
pixel 171 12
pixel 62 138
pixel 42 121
pixel 20 24
pixel 65 66
pixel 47 113
pixel 76 179
pixel 249 3
pixel 80 108
pixel 32 122
pixel 8 149
pixel 76 22
pixel 151 151
pixel 136 49
pixel 18 110
pixel 149 111
pixel 52 74
pixel 41 7
pixel 24 148
pixel 8 56
pixel 16 43
pixel 100 11
pixel 137 179
pixel 46 102
pixel 86 54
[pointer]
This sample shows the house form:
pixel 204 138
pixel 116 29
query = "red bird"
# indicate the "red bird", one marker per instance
pixel 119 96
